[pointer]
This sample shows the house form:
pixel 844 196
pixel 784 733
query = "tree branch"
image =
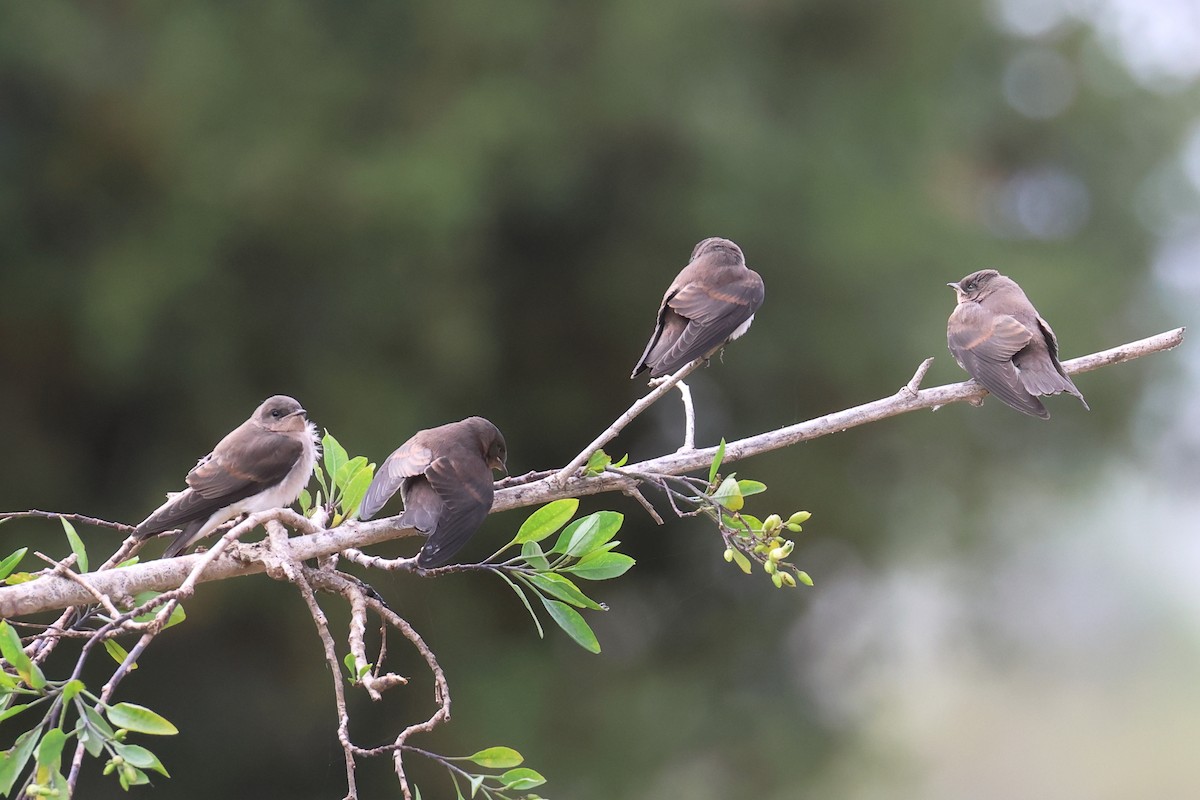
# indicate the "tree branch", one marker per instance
pixel 54 592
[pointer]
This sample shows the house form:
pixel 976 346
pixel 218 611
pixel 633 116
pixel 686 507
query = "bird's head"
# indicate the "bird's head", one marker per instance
pixel 281 414
pixel 975 286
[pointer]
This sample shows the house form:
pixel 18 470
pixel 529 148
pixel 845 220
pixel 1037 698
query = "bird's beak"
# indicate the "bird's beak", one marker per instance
pixel 953 286
pixel 300 412
pixel 500 465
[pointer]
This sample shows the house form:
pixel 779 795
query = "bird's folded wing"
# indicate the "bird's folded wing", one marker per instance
pixel 984 344
pixel 464 486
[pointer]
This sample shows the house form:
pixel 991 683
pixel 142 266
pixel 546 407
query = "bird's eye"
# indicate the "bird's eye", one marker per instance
pixel 970 287
pixel 275 413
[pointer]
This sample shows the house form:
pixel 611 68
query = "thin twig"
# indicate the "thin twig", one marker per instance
pixel 80 518
pixel 689 416
pixel 914 384
pixel 339 693
pixel 636 494
pixel 663 385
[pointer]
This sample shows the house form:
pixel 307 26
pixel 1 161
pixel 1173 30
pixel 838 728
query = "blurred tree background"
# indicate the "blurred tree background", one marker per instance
pixel 405 213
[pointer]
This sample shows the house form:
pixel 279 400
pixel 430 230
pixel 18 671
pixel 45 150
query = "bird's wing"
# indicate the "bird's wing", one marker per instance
pixel 464 486
pixel 659 322
pixel 1041 371
pixel 409 460
pixel 244 467
pixel 712 313
pixel 985 343
pixel 229 474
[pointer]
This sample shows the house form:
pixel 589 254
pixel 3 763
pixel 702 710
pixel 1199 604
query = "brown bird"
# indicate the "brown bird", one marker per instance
pixel 711 302
pixel 263 464
pixel 997 336
pixel 444 475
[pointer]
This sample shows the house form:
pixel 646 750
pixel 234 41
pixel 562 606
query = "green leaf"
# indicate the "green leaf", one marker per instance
pixel 573 623
pixel 717 459
pixel 129 562
pixel 525 600
pixel 50 750
pixel 522 778
pixel 77 547
pixel 601 566
pixel 335 456
pixel 496 758
pixel 417 792
pixel 139 779
pixel 13 760
pixel 354 669
pixel 476 782
pixel 140 719
pixel 562 588
pixel 19 577
pixel 546 520
pixel 349 470
pixel 597 463
pixel 740 559
pixel 71 690
pixel 533 555
pixel 754 522
pixel 96 726
pixel 734 523
pixel 804 577
pixel 10 648
pixel 91 742
pixel 588 533
pixel 118 653
pixel 13 711
pixel 10 563
pixel 140 757
pixel 37 680
pixel 748 487
pixel 622 461
pixel 177 614
pixel 356 489
pixel 729 495
pixel 305 502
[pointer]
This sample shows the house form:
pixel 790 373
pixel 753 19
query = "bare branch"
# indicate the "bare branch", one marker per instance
pixel 53 592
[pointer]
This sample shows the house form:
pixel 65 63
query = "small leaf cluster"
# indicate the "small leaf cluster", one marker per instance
pixel 101 728
pixel 584 550
pixel 343 480
pixel 748 538
pixel 491 785
pixel 600 461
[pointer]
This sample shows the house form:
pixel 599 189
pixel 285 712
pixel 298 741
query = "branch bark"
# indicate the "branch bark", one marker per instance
pixel 51 592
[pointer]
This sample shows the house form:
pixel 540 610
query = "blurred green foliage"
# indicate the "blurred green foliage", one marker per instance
pixel 405 213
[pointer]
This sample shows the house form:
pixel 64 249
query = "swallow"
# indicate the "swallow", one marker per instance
pixel 999 338
pixel 710 303
pixel 262 464
pixel 444 476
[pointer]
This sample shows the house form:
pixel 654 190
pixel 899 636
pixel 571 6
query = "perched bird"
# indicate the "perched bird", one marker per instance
pixel 262 464
pixel 711 302
pixel 444 475
pixel 997 336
